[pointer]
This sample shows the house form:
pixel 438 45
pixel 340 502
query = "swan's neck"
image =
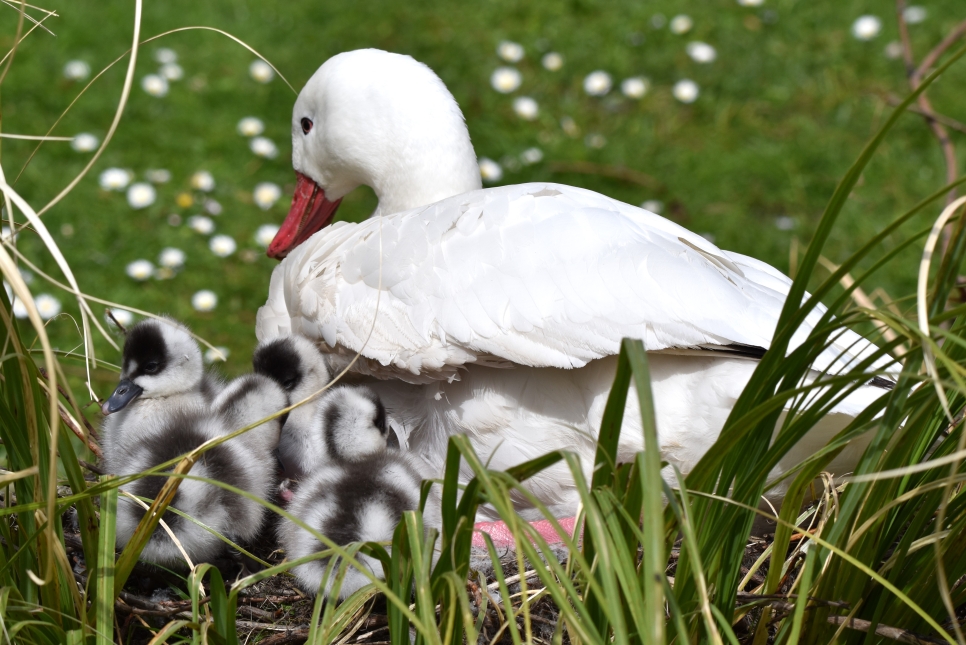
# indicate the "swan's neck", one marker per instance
pixel 421 172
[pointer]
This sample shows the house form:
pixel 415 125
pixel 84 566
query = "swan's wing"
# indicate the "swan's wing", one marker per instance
pixel 533 274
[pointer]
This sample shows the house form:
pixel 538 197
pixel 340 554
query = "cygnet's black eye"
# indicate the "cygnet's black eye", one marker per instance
pixel 289 384
pixel 306 125
pixel 151 367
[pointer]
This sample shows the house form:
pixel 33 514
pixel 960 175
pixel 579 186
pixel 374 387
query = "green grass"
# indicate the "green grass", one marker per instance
pixel 787 104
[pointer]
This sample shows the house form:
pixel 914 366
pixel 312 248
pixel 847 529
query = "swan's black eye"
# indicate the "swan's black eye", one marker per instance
pixel 306 125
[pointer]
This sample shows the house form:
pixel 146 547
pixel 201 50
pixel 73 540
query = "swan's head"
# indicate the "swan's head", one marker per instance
pixel 373 118
pixel 295 363
pixel 353 423
pixel 160 359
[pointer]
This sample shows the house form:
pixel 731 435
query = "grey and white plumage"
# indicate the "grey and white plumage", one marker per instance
pixel 357 492
pixel 295 363
pixel 167 406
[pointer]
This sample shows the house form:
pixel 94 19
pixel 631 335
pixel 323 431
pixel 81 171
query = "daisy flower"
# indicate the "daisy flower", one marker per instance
pixel 597 83
pixel 525 107
pixel 140 270
pixel 155 85
pixel 686 91
pixel 158 176
pixel 204 300
pixel 122 316
pixel 505 79
pixel 261 71
pixel 222 245
pixel 84 142
pixel 552 61
pixel 114 179
pixel 141 195
pixel 171 72
pixel 634 87
pixel 531 156
pixel 266 194
pixel 251 126
pixel 681 24
pixel 653 205
pixel 263 147
pixel 490 170
pixel 171 258
pixel 47 305
pixel 510 51
pixel 213 354
pixel 203 181
pixel 201 224
pixel 701 52
pixel 265 234
pixel 866 27
pixel 165 56
pixel 76 70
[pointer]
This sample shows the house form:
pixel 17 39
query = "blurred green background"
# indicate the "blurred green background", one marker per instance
pixel 783 110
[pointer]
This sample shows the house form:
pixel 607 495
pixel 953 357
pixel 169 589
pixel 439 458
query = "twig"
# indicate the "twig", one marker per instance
pixel 915 79
pixel 930 59
pixel 294 636
pixel 63 393
pixel 616 172
pixel 949 122
pixel 91 467
pixel 894 633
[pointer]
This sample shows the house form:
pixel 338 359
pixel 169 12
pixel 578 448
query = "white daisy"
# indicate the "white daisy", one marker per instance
pixel 26 275
pixel 172 258
pixel 634 87
pixel 490 170
pixel 171 72
pixel 751 3
pixel 114 179
pixel 915 14
pixel 552 61
pixel 525 107
pixel 122 316
pixel 531 156
pixel 893 50
pixel 7 235
pixel 222 245
pixel 261 71
pixel 263 147
pixel 201 224
pixel 67 230
pixel 141 195
pixel 165 56
pixel 19 309
pixel 203 181
pixel 784 223
pixel 266 194
pixel 140 270
pixel 265 234
pixel 510 51
pixel 76 70
pixel 701 52
pixel 154 85
pixel 686 91
pixel 84 142
pixel 47 305
pixel 681 24
pixel 595 140
pixel 251 126
pixel 158 175
pixel 866 27
pixel 653 205
pixel 597 83
pixel 213 354
pixel 505 79
pixel 213 207
pixel 204 300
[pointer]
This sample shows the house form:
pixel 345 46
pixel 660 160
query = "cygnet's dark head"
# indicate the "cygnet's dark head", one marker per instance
pixel 353 423
pixel 160 359
pixel 295 363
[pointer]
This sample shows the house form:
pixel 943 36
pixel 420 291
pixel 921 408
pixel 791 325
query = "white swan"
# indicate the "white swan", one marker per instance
pixel 500 311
